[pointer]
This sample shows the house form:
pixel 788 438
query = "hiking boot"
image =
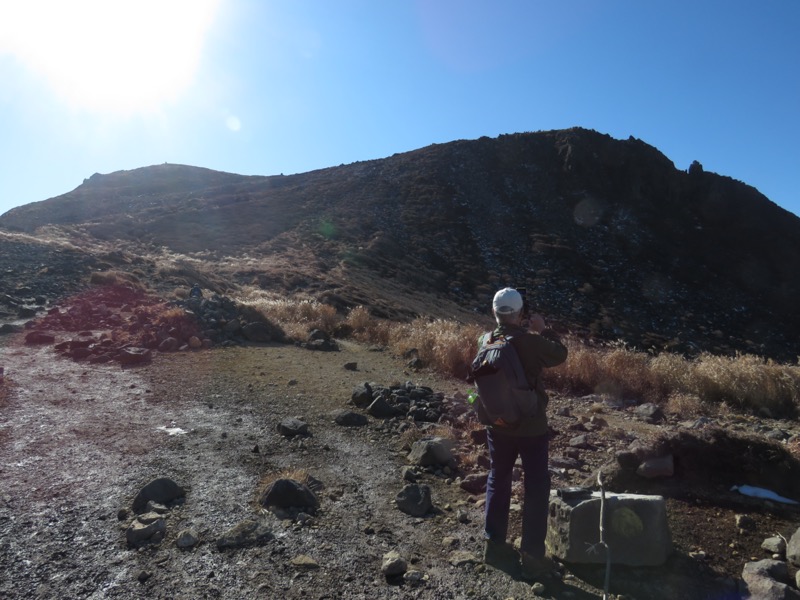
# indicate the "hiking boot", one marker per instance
pixel 534 568
pixel 499 554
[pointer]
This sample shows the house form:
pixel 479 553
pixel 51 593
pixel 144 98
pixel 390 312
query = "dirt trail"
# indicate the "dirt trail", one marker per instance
pixel 77 442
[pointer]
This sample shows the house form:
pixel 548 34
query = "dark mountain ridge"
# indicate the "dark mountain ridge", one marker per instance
pixel 611 239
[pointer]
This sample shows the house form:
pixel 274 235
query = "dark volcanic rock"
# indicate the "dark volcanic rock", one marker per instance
pixel 288 493
pixel 162 491
pixel 620 235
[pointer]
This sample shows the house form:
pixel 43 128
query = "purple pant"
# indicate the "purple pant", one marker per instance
pixel 503 451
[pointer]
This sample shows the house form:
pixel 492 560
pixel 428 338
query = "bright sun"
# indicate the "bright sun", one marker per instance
pixel 117 56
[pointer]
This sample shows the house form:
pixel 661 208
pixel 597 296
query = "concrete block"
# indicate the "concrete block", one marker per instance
pixel 636 529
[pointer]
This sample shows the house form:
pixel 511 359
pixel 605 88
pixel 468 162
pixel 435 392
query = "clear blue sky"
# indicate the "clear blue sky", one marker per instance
pixel 262 87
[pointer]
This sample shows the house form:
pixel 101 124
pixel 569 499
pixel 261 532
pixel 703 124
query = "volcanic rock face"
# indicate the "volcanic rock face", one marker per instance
pixel 611 239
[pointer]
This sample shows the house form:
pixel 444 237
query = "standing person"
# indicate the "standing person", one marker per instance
pixel 538 348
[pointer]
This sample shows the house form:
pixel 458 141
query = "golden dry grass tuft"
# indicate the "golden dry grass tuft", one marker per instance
pixel 368 329
pixel 445 346
pixel 691 387
pixel 296 317
pixel 745 382
pixel 686 405
pixel 748 382
pixel 298 475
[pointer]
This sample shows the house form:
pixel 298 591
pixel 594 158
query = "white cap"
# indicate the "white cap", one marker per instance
pixel 507 301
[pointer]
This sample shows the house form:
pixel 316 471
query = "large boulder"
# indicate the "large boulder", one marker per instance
pixel 636 529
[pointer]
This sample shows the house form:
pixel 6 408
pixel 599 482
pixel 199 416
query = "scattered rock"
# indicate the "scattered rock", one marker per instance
pixel 580 441
pixel 303 561
pixel 475 483
pixel 7 328
pixel 292 427
pixel 140 533
pixel 409 474
pixel 649 412
pixel 349 418
pixel 415 500
pixel 162 490
pixel 775 545
pixel 247 533
pixel 187 539
pixel 459 558
pixel 431 451
pixel 393 564
pixel 769 580
pixel 413 577
pixel 288 493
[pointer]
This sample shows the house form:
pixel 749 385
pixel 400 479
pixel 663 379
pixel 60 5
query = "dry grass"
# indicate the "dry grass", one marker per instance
pixel 445 346
pixel 695 386
pixel 409 436
pixel 368 329
pixel 610 371
pixel 298 475
pixel 686 405
pixel 684 386
pixel 296 317
pixel 748 382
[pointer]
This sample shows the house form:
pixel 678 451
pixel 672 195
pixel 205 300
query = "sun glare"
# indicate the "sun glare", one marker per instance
pixel 116 56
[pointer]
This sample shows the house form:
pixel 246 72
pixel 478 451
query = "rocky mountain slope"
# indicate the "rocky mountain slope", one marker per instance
pixel 612 240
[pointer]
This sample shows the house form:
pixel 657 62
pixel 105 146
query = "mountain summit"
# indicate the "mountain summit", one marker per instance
pixel 611 240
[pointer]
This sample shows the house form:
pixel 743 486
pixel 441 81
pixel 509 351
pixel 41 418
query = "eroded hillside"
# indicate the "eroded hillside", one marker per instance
pixel 613 241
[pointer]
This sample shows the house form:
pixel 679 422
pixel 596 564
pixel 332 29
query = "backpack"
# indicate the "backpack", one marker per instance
pixel 504 396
